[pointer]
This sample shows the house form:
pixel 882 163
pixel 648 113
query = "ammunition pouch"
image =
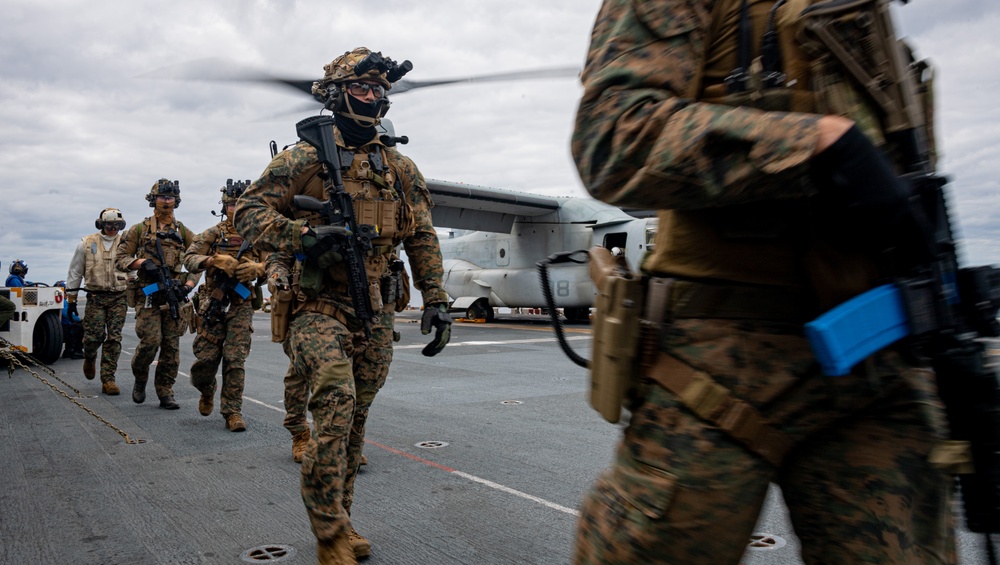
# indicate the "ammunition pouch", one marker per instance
pixel 257 301
pixel 395 286
pixel 281 314
pixel 187 318
pixel 616 325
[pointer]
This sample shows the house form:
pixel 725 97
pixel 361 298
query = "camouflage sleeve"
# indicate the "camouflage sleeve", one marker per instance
pixel 638 142
pixel 128 246
pixel 189 277
pixel 278 264
pixel 422 248
pixel 260 214
pixel 197 253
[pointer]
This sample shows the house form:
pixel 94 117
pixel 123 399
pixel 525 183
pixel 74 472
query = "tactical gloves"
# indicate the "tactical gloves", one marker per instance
pixel 321 246
pixel 436 316
pixel 863 204
pixel 149 269
pixel 71 311
pixel 249 271
pixel 225 263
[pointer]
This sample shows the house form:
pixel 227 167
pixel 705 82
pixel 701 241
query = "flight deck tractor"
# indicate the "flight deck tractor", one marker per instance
pixel 36 326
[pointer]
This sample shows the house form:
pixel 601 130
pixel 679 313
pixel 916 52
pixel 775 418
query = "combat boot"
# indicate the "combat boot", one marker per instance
pixel 110 388
pixel 235 423
pixel 205 404
pixel 169 403
pixel 364 460
pixel 299 443
pixel 361 546
pixel 139 390
pixel 90 368
pixel 337 551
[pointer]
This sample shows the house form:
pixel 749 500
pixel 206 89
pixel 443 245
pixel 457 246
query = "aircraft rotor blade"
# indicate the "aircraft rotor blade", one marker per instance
pixel 406 85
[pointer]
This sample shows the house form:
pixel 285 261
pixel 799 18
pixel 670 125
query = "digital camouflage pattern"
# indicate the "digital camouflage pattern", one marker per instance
pixel 103 319
pixel 655 129
pixel 156 330
pixel 296 399
pixel 344 369
pixel 226 340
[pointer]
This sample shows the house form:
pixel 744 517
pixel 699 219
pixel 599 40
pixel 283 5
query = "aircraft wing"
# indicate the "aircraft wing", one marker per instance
pixel 481 208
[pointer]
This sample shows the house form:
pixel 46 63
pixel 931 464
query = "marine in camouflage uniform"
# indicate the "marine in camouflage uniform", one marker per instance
pixel 326 341
pixel 226 336
pixel 94 263
pixel 154 325
pixel 775 205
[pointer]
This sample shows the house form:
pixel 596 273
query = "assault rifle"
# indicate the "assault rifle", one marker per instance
pixel 172 292
pixel 942 310
pixel 218 299
pixel 355 240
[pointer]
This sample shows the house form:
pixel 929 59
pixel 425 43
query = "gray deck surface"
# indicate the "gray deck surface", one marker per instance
pixel 503 490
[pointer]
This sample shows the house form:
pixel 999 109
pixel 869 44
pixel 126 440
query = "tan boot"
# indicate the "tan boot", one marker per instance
pixel 90 368
pixel 235 423
pixel 299 443
pixel 205 404
pixel 337 551
pixel 361 546
pixel 110 388
pixel 364 460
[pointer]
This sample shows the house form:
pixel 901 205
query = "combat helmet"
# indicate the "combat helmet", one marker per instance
pixel 18 267
pixel 359 64
pixel 233 190
pixel 164 187
pixel 111 216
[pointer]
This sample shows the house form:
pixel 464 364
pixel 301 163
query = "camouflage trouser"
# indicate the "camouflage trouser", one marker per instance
pixel 226 341
pixel 857 483
pixel 103 318
pixel 345 372
pixel 296 397
pixel 158 331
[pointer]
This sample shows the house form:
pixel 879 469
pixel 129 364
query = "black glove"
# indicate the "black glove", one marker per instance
pixel 321 245
pixel 436 316
pixel 72 312
pixel 150 269
pixel 862 203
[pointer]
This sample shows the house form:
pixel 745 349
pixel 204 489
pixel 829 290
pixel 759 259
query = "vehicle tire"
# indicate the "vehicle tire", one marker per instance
pixel 577 315
pixel 47 337
pixel 480 309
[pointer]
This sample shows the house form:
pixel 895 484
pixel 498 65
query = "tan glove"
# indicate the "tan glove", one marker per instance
pixel 71 298
pixel 226 263
pixel 249 271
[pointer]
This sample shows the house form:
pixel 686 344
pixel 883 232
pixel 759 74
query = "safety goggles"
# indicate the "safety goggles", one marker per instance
pixel 361 89
pixel 114 225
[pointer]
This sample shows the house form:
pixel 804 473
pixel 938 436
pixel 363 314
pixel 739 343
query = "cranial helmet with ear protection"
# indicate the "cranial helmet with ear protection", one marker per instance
pixel 111 216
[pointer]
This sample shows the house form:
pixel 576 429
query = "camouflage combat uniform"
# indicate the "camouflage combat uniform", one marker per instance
pixel 154 326
pixel 325 342
pixel 657 128
pixel 296 386
pixel 227 339
pixel 104 315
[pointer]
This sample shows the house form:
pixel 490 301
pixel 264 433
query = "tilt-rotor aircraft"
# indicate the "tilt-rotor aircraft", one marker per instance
pixel 492 239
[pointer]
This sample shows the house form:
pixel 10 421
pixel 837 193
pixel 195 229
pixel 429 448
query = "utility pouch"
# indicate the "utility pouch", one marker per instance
pixel 281 314
pixel 257 302
pixel 395 285
pixel 131 288
pixel 616 324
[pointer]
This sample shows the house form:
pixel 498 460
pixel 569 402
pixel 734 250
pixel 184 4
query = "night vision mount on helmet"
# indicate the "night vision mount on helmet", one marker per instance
pixel 358 65
pixel 111 216
pixel 233 190
pixel 164 187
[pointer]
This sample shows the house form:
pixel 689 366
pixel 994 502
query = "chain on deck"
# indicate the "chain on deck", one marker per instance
pixel 18 358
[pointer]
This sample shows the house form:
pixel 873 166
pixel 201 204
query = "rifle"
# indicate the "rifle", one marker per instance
pixel 172 292
pixel 941 309
pixel 224 284
pixel 338 213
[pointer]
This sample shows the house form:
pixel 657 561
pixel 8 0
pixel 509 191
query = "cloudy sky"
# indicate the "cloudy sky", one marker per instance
pixel 86 124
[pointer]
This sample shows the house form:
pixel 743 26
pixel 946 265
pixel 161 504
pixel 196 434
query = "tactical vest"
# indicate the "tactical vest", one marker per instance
pixel 378 199
pixel 768 242
pixel 173 251
pixel 99 271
